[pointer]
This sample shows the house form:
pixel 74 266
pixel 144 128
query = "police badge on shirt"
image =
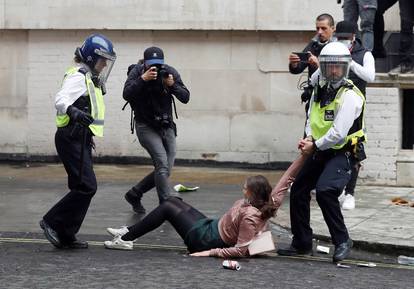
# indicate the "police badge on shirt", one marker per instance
pixel 329 115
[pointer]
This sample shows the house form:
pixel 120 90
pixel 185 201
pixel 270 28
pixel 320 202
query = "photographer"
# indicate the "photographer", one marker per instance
pixel 325 28
pixel 150 89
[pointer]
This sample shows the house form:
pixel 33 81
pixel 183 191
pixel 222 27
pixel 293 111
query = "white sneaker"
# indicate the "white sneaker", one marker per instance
pixel 119 244
pixel 341 198
pixel 117 232
pixel 349 202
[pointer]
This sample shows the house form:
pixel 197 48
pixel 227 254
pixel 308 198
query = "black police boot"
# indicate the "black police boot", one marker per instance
pixel 134 200
pixel 342 251
pixel 292 251
pixel 50 234
pixel 77 244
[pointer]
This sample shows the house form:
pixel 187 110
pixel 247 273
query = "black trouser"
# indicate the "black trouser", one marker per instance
pixel 350 187
pixel 328 172
pixel 383 5
pixel 67 215
pixel 406 35
pixel 406 22
pixel 181 215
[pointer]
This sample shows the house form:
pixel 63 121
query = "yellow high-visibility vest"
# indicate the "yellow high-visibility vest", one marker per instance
pixel 96 101
pixel 320 125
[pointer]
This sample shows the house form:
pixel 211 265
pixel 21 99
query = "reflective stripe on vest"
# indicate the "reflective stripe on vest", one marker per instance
pixel 96 101
pixel 322 119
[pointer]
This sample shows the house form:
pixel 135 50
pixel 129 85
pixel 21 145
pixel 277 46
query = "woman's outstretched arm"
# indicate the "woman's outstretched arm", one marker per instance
pixel 279 191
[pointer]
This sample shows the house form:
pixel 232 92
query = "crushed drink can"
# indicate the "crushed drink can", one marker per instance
pixel 232 265
pixel 322 249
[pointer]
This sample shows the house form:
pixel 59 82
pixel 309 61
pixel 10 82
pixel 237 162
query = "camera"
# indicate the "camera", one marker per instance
pixel 163 120
pixel 162 71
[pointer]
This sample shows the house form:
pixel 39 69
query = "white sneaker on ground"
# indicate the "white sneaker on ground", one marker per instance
pixel 349 202
pixel 119 244
pixel 341 198
pixel 117 232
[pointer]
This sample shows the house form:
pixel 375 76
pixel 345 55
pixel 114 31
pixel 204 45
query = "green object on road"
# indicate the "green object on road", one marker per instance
pixel 182 188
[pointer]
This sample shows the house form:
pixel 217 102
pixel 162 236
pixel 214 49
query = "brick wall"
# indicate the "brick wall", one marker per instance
pixel 383 126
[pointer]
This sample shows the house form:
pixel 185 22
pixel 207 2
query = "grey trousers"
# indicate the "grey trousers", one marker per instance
pixel 161 146
pixel 365 9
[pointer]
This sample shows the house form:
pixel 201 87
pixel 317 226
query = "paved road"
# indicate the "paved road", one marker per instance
pixel 36 264
pixel 28 261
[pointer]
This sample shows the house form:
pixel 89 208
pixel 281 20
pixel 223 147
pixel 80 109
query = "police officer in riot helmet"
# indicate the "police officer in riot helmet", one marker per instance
pixel 151 88
pixel 333 142
pixel 80 116
pixel 362 70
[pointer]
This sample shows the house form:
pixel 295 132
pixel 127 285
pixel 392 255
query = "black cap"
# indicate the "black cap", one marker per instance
pixel 345 29
pixel 153 55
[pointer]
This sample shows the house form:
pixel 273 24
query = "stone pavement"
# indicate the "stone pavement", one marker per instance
pixel 28 191
pixel 375 224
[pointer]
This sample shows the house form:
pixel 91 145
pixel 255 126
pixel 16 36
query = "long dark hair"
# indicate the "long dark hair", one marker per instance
pixel 261 195
pixel 77 59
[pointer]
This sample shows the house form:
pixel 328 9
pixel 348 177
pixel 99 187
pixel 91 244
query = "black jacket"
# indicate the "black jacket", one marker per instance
pixel 150 100
pixel 315 47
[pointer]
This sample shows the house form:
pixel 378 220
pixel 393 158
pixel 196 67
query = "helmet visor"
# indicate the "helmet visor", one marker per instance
pixel 103 68
pixel 334 68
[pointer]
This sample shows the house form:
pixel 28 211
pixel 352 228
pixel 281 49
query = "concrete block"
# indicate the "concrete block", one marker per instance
pixel 204 131
pixel 225 90
pixel 405 174
pixel 13 135
pixel 261 133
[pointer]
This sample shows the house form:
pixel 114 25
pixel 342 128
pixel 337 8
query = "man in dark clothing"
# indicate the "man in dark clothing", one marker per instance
pixel 150 89
pixel 325 28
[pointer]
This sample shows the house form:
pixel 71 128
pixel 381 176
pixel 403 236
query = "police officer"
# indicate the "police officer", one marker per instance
pixel 150 89
pixel 325 27
pixel 334 135
pixel 362 70
pixel 80 116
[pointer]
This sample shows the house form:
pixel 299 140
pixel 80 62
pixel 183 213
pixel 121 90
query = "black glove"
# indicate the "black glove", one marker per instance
pixel 83 118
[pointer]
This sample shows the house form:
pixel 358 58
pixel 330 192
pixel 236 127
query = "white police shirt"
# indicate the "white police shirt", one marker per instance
pixel 73 87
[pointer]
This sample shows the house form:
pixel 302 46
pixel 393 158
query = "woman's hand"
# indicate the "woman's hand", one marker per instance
pixel 201 254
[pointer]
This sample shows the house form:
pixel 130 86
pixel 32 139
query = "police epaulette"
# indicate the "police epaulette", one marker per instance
pixel 83 70
pixel 349 85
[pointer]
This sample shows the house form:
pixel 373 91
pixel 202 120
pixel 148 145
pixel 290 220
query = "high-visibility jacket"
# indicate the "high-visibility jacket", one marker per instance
pixel 320 124
pixel 96 102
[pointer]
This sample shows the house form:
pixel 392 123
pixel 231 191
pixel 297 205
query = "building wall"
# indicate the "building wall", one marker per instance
pixel 384 129
pixel 244 106
pixel 263 15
